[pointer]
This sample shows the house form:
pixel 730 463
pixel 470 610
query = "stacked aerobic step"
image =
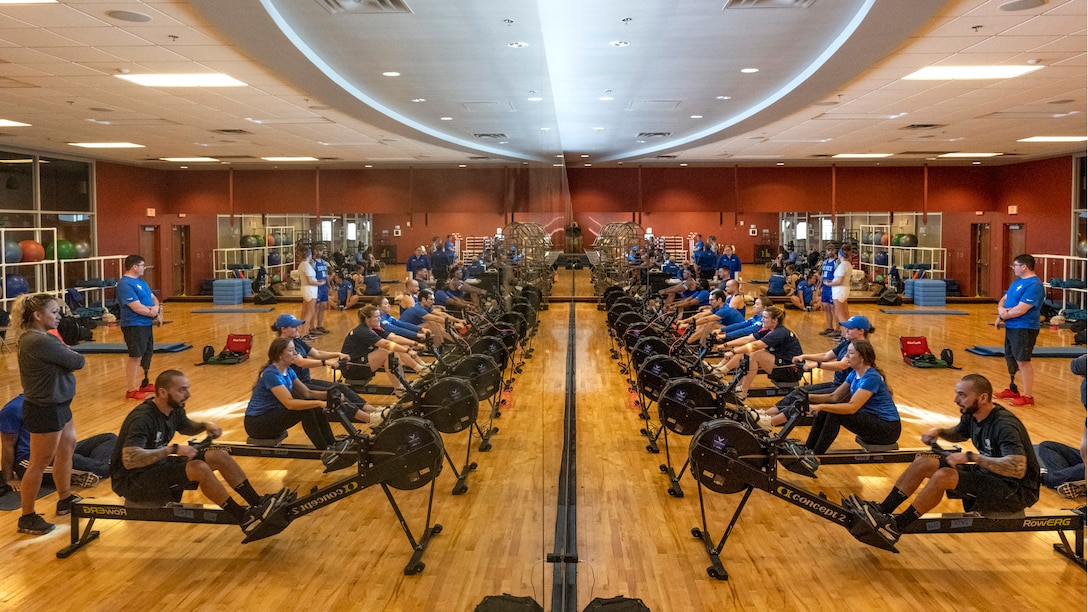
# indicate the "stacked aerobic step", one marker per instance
pixel 229 291
pixel 908 288
pixel 929 292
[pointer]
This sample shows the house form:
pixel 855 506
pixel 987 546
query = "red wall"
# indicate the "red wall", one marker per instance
pixel 723 201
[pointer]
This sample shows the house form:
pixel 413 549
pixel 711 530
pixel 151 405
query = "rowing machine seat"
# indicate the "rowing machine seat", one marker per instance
pixel 876 448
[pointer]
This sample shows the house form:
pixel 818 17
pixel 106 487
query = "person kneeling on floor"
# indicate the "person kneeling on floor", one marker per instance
pixel 1002 477
pixel 147 467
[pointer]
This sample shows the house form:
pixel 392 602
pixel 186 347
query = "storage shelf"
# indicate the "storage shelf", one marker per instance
pixel 899 256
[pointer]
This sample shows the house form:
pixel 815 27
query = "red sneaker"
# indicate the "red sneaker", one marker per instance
pixel 148 388
pixel 1007 394
pixel 1023 400
pixel 136 394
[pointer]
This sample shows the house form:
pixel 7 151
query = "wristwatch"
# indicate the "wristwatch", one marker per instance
pixel 970 457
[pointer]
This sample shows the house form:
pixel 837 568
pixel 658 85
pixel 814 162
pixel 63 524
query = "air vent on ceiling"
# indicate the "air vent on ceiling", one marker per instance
pixel 495 136
pixel 364 6
pixel 234 131
pixel 666 157
pixel 478 157
pixel 6 83
pixel 740 4
pixel 654 134
pixel 821 156
pixel 923 126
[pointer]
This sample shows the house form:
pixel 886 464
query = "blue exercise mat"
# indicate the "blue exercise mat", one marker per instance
pixel 1068 352
pixel 230 310
pixel 119 347
pixel 922 312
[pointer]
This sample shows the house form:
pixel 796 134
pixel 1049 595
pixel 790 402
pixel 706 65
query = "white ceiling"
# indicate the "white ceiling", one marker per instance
pixel 829 80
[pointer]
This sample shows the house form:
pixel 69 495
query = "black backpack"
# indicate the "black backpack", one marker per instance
pixel 890 297
pixel 72 331
pixel 265 296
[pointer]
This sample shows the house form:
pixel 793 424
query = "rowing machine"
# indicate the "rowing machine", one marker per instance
pixel 727 457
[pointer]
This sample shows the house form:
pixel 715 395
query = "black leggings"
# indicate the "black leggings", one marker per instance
pixel 271 424
pixel 871 429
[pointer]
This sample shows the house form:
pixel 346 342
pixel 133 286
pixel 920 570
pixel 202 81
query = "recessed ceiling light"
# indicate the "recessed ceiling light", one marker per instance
pixel 462 165
pixel 417 100
pixel 557 165
pixel 696 116
pixel 445 118
pixel 368 166
pixel 953 73
pixel 189 159
pixel 107 145
pixel 969 155
pixel 10 123
pixel 780 163
pixel 863 155
pixel 290 158
pixel 211 79
pixel 184 167
pixel 131 16
pixel 28 1
pixel 724 98
pixel 518 45
pixel 749 70
pixel 588 165
pixel 976 163
pixel 1046 139
pixel 598 129
pixel 606 98
pixel 545 129
pixel 583 155
pixel 559 155
pixel 535 99
pixel 391 73
pixel 619 43
pixel 504 142
pixel 641 141
pixel 683 165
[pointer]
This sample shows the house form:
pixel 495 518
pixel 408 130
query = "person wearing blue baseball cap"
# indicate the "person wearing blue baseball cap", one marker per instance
pixel 307 357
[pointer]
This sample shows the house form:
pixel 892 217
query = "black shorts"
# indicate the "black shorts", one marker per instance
pixel 48 418
pixel 162 482
pixel 983 491
pixel 785 371
pixel 1019 343
pixel 139 339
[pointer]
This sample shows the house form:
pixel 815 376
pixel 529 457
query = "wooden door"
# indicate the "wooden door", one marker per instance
pixel 149 249
pixel 980 251
pixel 181 259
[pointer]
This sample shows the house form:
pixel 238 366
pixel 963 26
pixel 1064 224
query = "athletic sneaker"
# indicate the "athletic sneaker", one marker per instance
pixel 135 394
pixel 34 524
pixel 1072 490
pixel 84 479
pixel 321 330
pixel 64 506
pixel 827 332
pixel 310 337
pixel 1007 394
pixel 882 523
pixel 1023 400
pixel 257 513
pixel 757 420
pixel 148 388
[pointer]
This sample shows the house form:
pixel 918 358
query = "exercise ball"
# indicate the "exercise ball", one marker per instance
pixel 83 249
pixel 259 240
pixel 61 249
pixel 908 240
pixel 32 250
pixel 248 241
pixel 896 238
pixel 275 278
pixel 867 257
pixel 881 258
pixel 1082 248
pixel 15 285
pixel 270 240
pixel 884 238
pixel 13 253
pixel 274 258
pixel 879 279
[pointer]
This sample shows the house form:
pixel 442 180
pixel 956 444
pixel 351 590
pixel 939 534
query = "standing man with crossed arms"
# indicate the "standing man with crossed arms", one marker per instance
pixel 1018 311
pixel 140 309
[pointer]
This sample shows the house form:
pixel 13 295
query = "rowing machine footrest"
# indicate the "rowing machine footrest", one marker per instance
pixel 876 448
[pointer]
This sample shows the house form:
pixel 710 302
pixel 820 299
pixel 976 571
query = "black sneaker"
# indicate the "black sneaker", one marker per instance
pixel 256 513
pixel 84 479
pixel 321 330
pixel 339 455
pixel 64 506
pixel 882 523
pixel 797 458
pixel 34 524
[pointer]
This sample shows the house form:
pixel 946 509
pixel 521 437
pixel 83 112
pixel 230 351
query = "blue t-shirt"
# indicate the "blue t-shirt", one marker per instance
pixel 263 401
pixel 1028 291
pixel 840 354
pixel 671 267
pixel 732 262
pixel 880 404
pixel 414 315
pixel 400 328
pixel 345 290
pixel 776 285
pixel 443 295
pixel 730 315
pixel 321 273
pixel 804 290
pixel 705 259
pixel 702 296
pixel 131 290
pixel 303 350
pixel 417 263
pixel 11 423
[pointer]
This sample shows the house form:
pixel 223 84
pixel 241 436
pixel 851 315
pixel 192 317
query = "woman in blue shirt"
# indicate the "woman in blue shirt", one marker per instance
pixel 281 401
pixel 862 404
pixel 730 260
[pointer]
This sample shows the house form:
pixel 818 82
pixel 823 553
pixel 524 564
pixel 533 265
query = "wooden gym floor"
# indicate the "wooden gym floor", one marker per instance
pixel 633 538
